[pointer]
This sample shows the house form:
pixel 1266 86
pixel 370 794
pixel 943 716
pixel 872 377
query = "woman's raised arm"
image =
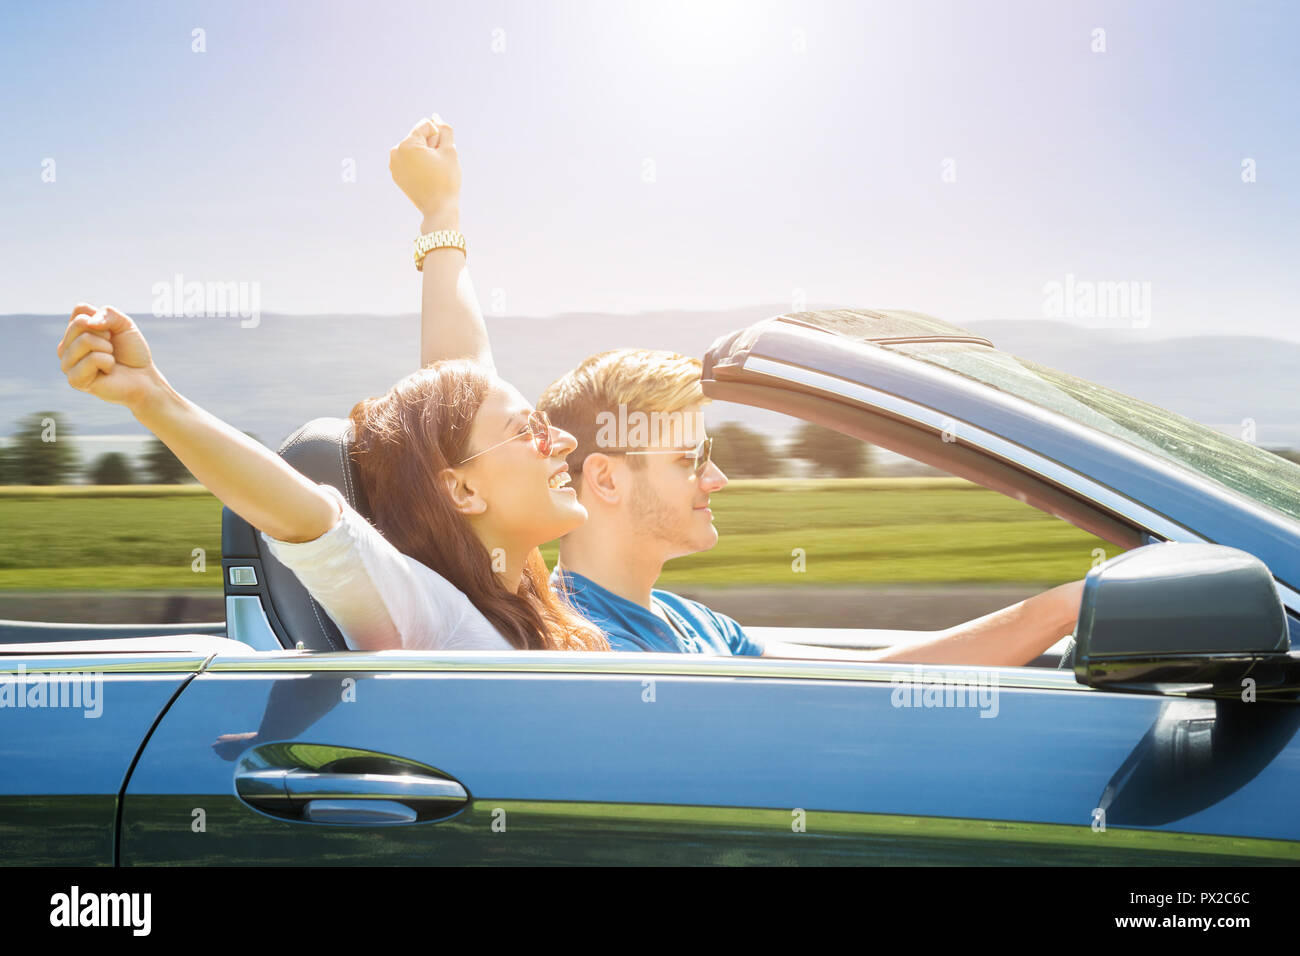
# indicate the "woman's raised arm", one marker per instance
pixel 103 352
pixel 426 167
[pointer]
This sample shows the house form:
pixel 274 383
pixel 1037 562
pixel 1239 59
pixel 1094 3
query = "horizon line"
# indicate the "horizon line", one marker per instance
pixel 558 316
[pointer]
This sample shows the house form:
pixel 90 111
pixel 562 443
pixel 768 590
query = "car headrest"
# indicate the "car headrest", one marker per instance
pixel 320 450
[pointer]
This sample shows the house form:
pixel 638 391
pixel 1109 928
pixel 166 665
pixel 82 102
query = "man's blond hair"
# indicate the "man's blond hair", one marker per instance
pixel 642 382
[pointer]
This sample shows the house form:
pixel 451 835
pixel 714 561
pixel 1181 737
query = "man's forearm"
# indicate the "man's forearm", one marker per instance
pixel 451 323
pixel 1011 636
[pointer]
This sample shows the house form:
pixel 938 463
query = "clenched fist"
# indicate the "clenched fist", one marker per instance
pixel 425 166
pixel 103 353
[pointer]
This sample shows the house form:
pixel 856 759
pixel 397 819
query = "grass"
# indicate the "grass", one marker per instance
pixel 882 530
pixel 854 531
pixel 79 541
pixel 28 492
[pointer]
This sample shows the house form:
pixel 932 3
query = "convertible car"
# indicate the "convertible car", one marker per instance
pixel 1162 732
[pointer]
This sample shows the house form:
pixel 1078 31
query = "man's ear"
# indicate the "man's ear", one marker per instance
pixel 600 478
pixel 463 492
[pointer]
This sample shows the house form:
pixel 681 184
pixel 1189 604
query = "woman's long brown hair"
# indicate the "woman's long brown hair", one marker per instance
pixel 401 441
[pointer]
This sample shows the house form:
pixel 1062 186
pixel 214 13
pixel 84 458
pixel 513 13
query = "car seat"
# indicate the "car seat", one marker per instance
pixel 267 607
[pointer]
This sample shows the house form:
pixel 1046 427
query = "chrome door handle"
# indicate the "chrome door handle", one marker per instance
pixel 314 785
pixel 412 795
pixel 358 812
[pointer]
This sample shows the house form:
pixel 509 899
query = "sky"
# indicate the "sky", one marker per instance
pixel 955 158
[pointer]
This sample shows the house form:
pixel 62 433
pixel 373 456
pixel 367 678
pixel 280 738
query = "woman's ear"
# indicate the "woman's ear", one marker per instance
pixel 462 491
pixel 599 478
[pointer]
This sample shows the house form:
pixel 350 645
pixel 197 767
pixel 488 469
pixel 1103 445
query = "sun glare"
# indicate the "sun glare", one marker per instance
pixel 703 33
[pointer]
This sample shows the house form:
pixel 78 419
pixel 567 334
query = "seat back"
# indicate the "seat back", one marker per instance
pixel 266 605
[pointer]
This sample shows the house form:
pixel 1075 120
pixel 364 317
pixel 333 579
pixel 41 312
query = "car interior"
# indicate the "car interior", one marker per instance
pixel 265 601
pixel 268 609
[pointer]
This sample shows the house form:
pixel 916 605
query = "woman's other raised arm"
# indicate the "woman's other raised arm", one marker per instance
pixel 426 167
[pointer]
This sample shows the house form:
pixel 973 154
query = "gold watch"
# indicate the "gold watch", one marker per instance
pixel 442 239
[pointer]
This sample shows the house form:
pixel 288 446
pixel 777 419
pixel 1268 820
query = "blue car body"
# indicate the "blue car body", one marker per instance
pixel 219 749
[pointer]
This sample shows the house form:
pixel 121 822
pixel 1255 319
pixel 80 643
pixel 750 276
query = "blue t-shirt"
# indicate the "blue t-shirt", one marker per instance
pixel 630 627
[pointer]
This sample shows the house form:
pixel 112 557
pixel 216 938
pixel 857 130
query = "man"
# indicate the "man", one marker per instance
pixel 646 490
pixel 641 468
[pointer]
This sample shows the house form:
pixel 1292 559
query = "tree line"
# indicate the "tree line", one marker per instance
pixel 41 452
pixel 745 453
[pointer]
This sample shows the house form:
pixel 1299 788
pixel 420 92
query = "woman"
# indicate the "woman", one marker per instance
pixel 465 479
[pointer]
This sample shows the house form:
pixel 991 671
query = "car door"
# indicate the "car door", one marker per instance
pixel 70 726
pixel 545 757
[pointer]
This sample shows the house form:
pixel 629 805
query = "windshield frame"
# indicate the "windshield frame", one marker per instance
pixel 1119 422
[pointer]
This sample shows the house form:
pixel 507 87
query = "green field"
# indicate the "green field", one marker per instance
pixel 869 530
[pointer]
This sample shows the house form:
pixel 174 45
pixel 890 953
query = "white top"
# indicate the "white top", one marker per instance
pixel 379 597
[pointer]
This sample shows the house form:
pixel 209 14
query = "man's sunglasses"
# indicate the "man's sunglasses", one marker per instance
pixel 539 427
pixel 700 453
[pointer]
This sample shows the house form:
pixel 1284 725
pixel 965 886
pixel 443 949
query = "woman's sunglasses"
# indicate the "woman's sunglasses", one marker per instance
pixel 700 453
pixel 539 427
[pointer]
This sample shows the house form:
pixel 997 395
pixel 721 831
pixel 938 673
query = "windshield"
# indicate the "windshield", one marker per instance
pixel 1260 475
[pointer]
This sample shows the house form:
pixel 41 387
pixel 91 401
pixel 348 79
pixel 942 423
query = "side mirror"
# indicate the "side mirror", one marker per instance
pixel 1182 614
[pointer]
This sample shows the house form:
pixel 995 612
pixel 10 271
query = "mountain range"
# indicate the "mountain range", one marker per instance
pixel 270 378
